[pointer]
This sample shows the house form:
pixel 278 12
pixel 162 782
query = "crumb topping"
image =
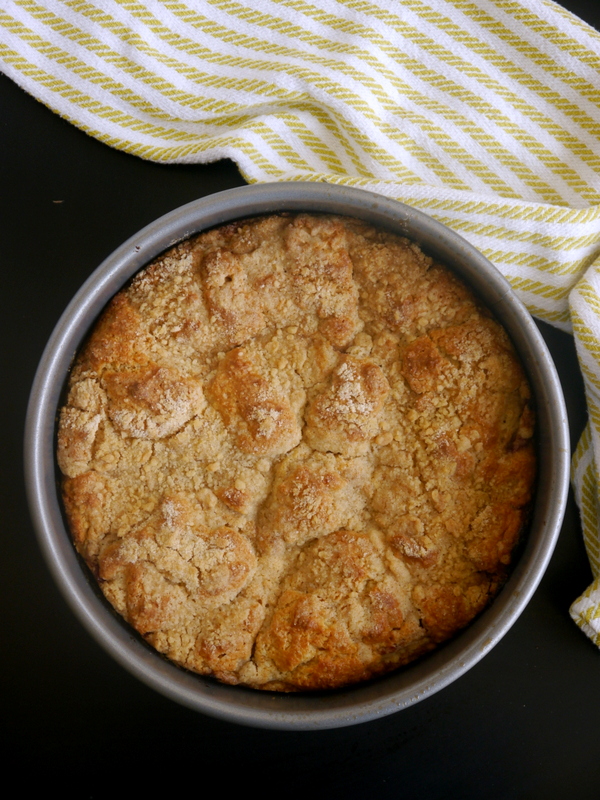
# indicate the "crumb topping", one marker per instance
pixel 297 453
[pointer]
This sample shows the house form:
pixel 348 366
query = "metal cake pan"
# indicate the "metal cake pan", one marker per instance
pixel 310 711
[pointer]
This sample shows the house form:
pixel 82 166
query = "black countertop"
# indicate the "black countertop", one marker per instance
pixel 521 724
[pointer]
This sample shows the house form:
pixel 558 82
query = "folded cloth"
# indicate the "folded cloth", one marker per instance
pixel 485 115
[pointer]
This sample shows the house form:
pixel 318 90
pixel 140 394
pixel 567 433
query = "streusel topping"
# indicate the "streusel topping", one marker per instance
pixel 297 453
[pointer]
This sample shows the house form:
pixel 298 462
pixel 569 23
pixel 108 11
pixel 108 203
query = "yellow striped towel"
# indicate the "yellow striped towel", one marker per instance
pixel 483 113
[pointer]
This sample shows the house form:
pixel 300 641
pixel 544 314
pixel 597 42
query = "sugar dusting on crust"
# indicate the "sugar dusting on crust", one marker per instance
pixel 297 453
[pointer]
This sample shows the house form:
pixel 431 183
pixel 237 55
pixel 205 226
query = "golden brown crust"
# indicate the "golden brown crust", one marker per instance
pixel 297 453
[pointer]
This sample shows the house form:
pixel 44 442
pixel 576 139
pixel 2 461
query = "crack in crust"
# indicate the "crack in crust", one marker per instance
pixel 297 453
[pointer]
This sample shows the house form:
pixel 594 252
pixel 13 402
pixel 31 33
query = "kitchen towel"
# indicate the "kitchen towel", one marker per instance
pixel 484 114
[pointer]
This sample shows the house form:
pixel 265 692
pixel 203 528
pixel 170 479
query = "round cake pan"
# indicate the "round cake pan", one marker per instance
pixel 314 710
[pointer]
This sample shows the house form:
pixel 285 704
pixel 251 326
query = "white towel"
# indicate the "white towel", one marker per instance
pixel 484 114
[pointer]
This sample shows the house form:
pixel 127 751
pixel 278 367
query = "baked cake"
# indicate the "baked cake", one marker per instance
pixel 297 453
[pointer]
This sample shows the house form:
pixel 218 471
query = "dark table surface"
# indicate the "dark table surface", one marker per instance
pixel 521 724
